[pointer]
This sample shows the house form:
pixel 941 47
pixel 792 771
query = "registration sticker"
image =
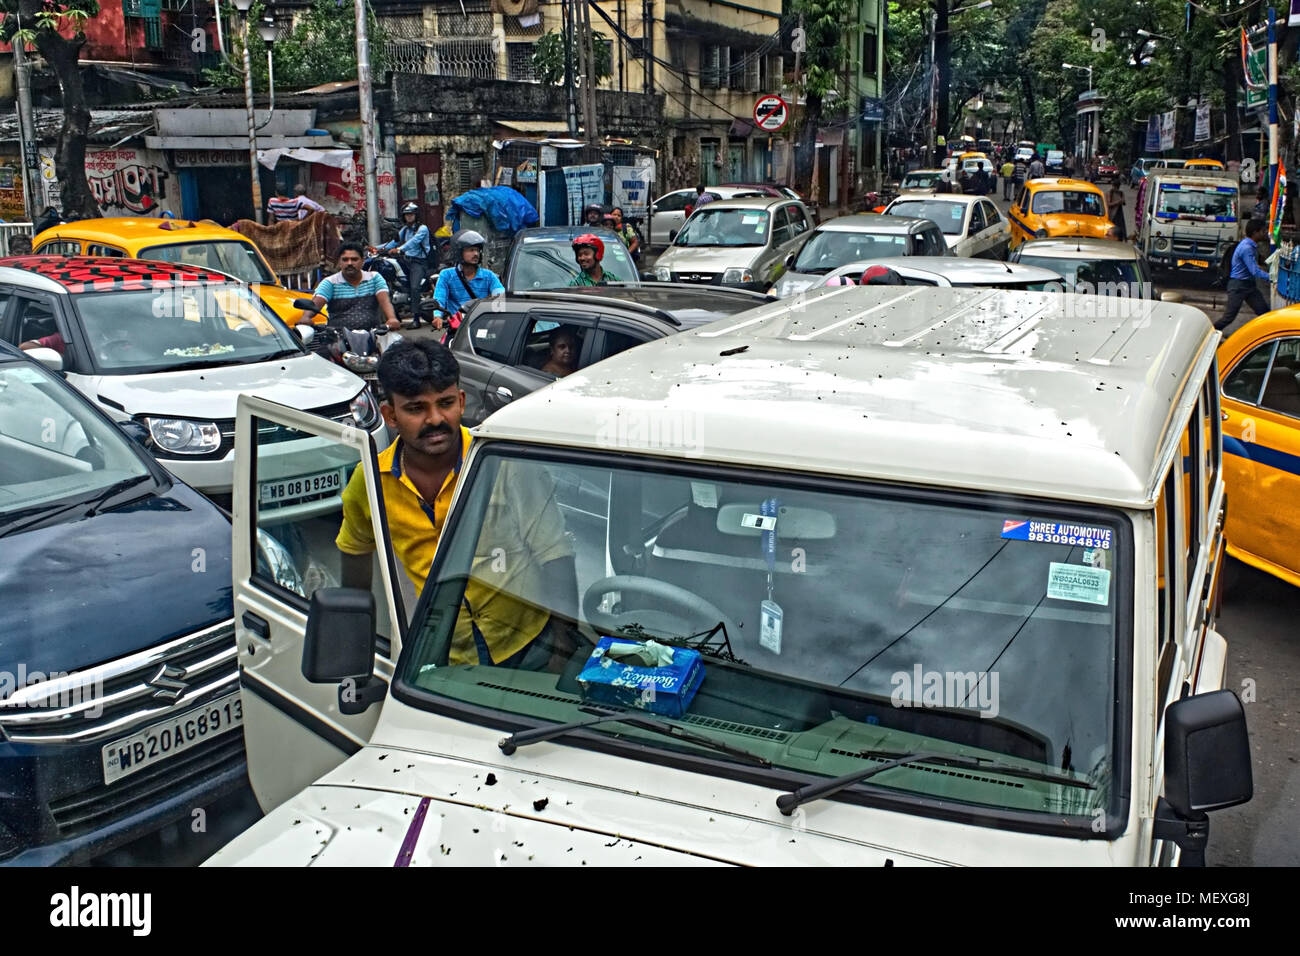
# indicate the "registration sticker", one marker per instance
pixel 1057 532
pixel 1076 582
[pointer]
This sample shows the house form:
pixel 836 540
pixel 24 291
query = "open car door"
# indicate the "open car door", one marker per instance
pixel 290 471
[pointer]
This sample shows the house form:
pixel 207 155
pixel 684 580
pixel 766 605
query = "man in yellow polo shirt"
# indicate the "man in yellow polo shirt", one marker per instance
pixel 504 619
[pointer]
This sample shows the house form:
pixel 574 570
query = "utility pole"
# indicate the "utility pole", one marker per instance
pixel 255 180
pixel 1272 105
pixel 589 83
pixel 934 83
pixel 566 14
pixel 369 155
pixel 27 132
pixel 793 173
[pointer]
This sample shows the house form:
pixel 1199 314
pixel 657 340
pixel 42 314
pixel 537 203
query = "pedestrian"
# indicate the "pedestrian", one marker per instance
pixel 701 197
pixel 1261 210
pixel 1036 168
pixel 1018 176
pixel 1115 204
pixel 1008 171
pixel 49 218
pixel 20 246
pixel 1241 280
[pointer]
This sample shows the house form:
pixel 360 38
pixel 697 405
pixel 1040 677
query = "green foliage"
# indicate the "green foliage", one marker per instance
pixel 44 16
pixel 823 59
pixel 548 57
pixel 321 48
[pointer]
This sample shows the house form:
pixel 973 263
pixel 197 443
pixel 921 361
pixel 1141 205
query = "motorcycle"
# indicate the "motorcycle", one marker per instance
pixel 394 272
pixel 357 350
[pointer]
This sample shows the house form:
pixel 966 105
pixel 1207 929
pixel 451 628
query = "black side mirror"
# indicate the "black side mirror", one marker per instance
pixel 649 276
pixel 339 646
pixel 672 235
pixel 136 431
pixel 1207 768
pixel 307 305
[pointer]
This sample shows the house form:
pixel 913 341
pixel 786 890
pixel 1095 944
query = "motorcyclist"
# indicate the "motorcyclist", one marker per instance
pixel 460 284
pixel 588 251
pixel 593 215
pixel 356 298
pixel 413 245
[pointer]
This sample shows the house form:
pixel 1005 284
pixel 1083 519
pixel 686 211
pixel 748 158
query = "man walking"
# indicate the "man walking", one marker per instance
pixel 1241 280
pixel 1008 171
pixel 284 209
pixel 1036 168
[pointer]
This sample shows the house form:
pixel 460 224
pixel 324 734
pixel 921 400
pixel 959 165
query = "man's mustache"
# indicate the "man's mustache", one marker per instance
pixel 429 432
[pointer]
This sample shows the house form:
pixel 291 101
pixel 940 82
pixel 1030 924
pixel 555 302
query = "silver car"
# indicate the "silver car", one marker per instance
pixel 1099 266
pixel 740 242
pixel 954 272
pixel 853 239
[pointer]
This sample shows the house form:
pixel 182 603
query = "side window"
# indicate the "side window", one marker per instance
pixel 615 342
pixel 552 345
pixel 934 242
pixel 1245 382
pixel 95 249
pixel 798 221
pixel 781 231
pixel 976 219
pixel 1167 617
pixel 1282 387
pixel 1022 202
pixel 1193 495
pixel 991 214
pixel 1212 445
pixel 491 334
pixel 60 247
pixel 35 320
pixel 673 202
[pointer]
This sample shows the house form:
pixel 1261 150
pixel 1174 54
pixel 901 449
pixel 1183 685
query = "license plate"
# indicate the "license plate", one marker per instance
pixel 170 737
pixel 1199 263
pixel 294 489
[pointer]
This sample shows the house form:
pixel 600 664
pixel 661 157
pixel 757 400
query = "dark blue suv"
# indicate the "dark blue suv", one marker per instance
pixel 119 692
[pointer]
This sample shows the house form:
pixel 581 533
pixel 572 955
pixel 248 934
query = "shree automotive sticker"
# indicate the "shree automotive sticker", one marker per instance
pixel 1057 532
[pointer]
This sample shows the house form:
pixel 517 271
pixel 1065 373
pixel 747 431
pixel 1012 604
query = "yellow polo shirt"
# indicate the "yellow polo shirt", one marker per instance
pixel 413 526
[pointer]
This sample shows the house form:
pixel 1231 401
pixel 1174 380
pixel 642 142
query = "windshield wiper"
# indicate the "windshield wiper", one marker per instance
pixel 42 513
pixel 98 502
pixel 523 738
pixel 189 366
pixel 787 802
pixel 283 353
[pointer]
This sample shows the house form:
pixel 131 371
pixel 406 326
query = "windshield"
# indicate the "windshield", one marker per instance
pixel 725 227
pixel 1093 271
pixel 52 448
pixel 831 248
pixel 1214 203
pixel 234 258
pixel 921 180
pixel 892 621
pixel 185 325
pixel 948 216
pixel 1070 201
pixel 546 262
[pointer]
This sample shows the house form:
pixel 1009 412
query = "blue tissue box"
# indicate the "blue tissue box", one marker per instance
pixel 666 689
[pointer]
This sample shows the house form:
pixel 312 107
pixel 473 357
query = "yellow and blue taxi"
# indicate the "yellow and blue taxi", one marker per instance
pixel 181 241
pixel 1056 206
pixel 1259 367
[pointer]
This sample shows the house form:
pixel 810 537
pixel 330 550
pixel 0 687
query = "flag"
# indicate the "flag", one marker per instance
pixel 1278 205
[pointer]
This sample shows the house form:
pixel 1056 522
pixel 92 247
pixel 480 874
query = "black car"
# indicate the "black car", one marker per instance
pixel 508 346
pixel 119 693
pixel 542 258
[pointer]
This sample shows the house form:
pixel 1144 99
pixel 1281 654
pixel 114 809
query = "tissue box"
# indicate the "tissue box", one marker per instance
pixel 666 689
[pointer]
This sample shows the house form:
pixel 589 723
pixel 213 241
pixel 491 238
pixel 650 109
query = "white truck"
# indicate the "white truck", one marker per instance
pixel 1187 220
pixel 949 560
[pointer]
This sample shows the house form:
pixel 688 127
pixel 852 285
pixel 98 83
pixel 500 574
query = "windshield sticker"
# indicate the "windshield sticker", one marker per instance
pixel 957 212
pixel 1056 532
pixel 1075 582
pixel 749 220
pixel 704 494
pixel 759 522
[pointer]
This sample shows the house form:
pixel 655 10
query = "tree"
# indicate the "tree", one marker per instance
pixel 548 57
pixel 823 23
pixel 43 24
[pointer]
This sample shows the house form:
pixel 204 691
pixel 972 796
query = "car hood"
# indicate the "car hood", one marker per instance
pixel 792 283
pixel 81 592
pixel 1093 226
pixel 709 258
pixel 281 302
pixel 306 382
pixel 422 809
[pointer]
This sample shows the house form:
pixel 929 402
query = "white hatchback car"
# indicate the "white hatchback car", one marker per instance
pixel 671 209
pixel 171 347
pixel 971 225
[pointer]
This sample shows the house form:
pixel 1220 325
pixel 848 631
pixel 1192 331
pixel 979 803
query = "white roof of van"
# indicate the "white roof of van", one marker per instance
pixel 1040 394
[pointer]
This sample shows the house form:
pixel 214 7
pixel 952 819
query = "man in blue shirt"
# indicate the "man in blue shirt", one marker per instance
pixel 412 245
pixel 1241 280
pixel 465 281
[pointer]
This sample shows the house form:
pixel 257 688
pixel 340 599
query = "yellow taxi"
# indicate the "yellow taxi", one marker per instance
pixel 1203 164
pixel 1259 368
pixel 1056 206
pixel 203 244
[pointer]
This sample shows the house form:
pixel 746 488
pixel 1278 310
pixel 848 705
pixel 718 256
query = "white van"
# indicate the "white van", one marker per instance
pixel 946 560
pixel 1189 220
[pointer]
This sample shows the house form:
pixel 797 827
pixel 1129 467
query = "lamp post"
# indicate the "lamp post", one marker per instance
pixel 1071 66
pixel 243 6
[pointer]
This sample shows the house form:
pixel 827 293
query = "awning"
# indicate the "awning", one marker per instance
pixel 337 158
pixel 239 142
pixel 534 126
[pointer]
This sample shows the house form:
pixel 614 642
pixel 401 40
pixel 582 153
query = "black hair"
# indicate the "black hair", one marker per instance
pixel 563 331
pixel 413 368
pixel 351 246
pixel 1256 226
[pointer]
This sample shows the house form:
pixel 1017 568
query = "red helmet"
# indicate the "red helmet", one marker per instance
pixel 587 239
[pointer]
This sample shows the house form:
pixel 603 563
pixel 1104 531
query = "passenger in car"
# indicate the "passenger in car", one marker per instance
pixel 564 345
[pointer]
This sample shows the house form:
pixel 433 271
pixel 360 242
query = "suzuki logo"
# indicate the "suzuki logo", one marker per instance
pixel 167 683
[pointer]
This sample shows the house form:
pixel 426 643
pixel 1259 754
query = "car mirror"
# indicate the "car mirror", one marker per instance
pixel 307 305
pixel 1173 297
pixel 648 276
pixel 790 258
pixel 745 519
pixel 1207 754
pixel 305 332
pixel 340 640
pixel 136 431
pixel 50 358
pixel 672 235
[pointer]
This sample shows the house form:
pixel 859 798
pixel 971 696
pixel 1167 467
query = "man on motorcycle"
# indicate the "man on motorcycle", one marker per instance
pixel 593 215
pixel 459 284
pixel 356 299
pixel 588 250
pixel 413 245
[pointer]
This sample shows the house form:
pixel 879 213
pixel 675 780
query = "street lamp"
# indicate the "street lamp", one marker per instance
pixel 243 6
pixel 934 78
pixel 1071 66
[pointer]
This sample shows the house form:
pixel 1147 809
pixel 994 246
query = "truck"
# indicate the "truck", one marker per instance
pixel 1187 221
pixel 812 606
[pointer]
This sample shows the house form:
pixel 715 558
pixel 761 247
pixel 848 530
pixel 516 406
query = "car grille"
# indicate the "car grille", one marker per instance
pixel 113 699
pixel 1199 248
pixel 703 278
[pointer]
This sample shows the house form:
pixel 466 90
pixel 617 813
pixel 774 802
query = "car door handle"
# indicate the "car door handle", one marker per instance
pixel 1225 415
pixel 505 393
pixel 257 625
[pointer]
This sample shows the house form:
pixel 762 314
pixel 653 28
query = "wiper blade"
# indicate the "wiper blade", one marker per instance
pixel 189 366
pixel 523 738
pixel 787 802
pixel 40 513
pixel 97 503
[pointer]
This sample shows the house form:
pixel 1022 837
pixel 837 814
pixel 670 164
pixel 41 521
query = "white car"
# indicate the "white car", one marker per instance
pixel 971 225
pixel 172 347
pixel 948 272
pixel 855 238
pixel 670 210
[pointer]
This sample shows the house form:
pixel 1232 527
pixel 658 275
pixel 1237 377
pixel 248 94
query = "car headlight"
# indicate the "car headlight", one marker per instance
pixel 180 436
pixel 364 410
pixel 1162 245
pixel 361 364
pixel 738 275
pixel 1040 233
pixel 663 274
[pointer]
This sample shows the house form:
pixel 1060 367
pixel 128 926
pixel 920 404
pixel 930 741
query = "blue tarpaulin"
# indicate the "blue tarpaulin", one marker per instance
pixel 503 206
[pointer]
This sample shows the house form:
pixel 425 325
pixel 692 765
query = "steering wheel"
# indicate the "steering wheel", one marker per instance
pixel 661 608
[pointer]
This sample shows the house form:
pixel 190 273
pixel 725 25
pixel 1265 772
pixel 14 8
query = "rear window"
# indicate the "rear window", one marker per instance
pixel 1074 202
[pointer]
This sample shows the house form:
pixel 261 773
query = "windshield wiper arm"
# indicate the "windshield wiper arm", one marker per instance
pixel 40 513
pixel 787 802
pixel 96 504
pixel 523 738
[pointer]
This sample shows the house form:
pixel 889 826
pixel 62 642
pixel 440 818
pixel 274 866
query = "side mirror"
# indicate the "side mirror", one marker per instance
pixel 50 358
pixel 305 332
pixel 672 235
pixel 648 276
pixel 790 258
pixel 1173 297
pixel 339 646
pixel 307 305
pixel 136 431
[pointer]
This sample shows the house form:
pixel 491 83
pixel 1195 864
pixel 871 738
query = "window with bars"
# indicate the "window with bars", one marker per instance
pixel 469 170
pixel 710 66
pixel 519 62
pixel 476 21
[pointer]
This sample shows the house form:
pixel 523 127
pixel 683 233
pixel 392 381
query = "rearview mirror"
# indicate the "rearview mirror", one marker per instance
pixel 136 431
pixel 745 519
pixel 648 276
pixel 672 235
pixel 50 358
pixel 789 260
pixel 1207 754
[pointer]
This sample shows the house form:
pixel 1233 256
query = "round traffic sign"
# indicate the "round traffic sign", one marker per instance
pixel 770 113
